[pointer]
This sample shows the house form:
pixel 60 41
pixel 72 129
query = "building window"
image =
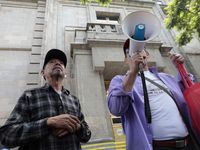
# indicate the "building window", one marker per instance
pixel 107 19
pixel 159 2
pixel 101 19
pixel 113 20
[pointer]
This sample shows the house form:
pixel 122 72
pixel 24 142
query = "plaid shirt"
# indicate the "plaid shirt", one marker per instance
pixel 26 127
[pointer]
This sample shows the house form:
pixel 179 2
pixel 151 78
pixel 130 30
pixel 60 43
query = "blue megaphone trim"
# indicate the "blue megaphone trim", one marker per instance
pixel 139 32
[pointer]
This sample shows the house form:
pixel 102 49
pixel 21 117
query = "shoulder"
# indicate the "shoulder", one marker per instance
pixel 72 98
pixel 166 75
pixel 34 91
pixel 169 78
pixel 69 96
pixel 116 83
pixel 155 72
pixel 118 78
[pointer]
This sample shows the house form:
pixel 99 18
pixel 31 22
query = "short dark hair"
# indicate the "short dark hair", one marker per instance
pixel 126 46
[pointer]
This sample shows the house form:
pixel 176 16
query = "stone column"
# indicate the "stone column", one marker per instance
pixel 90 90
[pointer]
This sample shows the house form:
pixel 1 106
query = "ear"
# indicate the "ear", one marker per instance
pixel 65 75
pixel 42 73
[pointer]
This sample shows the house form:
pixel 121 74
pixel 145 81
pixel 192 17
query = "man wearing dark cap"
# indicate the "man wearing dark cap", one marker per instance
pixel 49 117
pixel 167 130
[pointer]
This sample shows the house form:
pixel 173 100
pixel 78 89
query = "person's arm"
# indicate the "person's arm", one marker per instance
pixel 180 81
pixel 129 81
pixel 83 133
pixel 19 129
pixel 121 90
pixel 133 63
pixel 180 59
pixel 118 100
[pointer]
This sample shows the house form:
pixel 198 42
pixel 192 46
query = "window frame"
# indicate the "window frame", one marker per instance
pixel 107 19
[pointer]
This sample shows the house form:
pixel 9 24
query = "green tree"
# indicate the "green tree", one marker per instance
pixel 184 16
pixel 101 2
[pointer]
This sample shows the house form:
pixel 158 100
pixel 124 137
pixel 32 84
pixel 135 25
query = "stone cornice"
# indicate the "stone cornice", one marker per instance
pixel 195 53
pixel 115 3
pixel 19 4
pixel 15 48
pixel 164 49
pixel 107 43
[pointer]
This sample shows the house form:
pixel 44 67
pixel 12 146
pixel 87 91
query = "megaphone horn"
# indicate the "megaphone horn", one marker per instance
pixel 140 27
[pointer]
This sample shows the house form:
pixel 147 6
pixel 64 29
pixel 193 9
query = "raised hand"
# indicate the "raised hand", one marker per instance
pixel 176 57
pixel 134 62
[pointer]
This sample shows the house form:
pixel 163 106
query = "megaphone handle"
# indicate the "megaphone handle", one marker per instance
pixel 141 66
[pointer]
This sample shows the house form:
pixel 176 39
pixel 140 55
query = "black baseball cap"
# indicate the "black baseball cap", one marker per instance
pixel 57 54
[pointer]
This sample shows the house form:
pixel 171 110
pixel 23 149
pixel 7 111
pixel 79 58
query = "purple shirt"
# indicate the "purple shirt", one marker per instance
pixel 130 106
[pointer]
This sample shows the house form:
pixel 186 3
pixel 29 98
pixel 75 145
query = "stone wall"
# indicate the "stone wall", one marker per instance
pixel 94 51
pixel 17 26
pixel 14 70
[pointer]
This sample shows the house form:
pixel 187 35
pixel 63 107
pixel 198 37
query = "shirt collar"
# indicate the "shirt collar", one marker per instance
pixel 49 87
pixel 151 69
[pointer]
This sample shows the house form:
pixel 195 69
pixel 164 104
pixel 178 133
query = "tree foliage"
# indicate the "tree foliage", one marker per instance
pixel 100 2
pixel 184 16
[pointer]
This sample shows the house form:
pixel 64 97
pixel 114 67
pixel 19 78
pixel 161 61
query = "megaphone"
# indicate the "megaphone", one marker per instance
pixel 143 22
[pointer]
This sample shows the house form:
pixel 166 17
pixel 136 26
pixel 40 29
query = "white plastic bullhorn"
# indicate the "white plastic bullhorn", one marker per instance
pixel 144 25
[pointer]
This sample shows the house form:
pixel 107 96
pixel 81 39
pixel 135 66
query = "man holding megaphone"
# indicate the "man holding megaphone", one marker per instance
pixel 167 129
pixel 153 110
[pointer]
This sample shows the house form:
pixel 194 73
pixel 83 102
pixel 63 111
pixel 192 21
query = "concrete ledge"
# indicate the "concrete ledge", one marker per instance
pixel 15 48
pixel 18 4
pixel 195 53
pixel 35 59
pixel 42 2
pixel 38 35
pixel 40 15
pixel 39 27
pixel 37 42
pixel 36 50
pixel 164 49
pixel 39 21
pixel 97 60
pixel 32 79
pixel 34 69
pixel 41 9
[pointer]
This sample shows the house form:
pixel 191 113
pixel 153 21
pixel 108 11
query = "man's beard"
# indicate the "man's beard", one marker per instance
pixel 58 73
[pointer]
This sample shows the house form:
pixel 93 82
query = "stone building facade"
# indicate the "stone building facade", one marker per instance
pixel 29 28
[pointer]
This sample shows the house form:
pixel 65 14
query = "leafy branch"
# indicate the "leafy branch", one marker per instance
pixel 184 16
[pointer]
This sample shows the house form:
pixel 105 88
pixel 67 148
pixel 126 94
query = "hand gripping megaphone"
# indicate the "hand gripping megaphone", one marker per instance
pixel 140 27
